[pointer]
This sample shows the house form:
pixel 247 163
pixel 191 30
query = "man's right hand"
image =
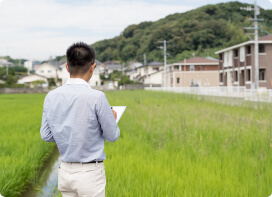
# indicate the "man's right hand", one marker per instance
pixel 114 114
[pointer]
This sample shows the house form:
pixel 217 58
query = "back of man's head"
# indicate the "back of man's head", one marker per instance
pixel 80 57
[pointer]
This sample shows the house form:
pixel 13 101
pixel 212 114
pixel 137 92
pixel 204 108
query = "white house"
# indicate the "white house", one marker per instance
pixel 4 63
pixel 47 71
pixel 150 68
pixel 144 71
pixel 28 64
pixel 154 79
pixel 32 78
pixel 131 70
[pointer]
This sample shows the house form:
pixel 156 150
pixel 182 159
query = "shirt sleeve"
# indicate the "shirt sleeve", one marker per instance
pixel 45 131
pixel 110 130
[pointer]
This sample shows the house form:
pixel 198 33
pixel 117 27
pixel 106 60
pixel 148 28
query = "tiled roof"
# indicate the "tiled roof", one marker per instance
pixel 113 66
pixel 264 39
pixel 268 37
pixel 154 63
pixel 110 62
pixel 198 60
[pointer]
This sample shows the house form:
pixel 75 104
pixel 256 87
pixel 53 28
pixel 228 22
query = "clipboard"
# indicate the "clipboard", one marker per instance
pixel 119 110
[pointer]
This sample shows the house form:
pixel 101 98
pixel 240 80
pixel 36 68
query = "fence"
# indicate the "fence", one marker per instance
pixel 261 95
pixel 22 90
pixel 131 87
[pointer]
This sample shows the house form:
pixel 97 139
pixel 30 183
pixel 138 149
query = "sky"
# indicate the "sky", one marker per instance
pixel 39 29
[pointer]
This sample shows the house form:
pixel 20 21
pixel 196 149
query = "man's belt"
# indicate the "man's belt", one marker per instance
pixel 94 162
pixel 86 162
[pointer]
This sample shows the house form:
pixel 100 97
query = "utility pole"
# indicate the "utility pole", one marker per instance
pixel 7 71
pixel 123 68
pixel 256 40
pixel 256 44
pixel 144 59
pixel 165 60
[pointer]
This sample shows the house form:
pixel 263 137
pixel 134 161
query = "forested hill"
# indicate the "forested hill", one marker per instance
pixel 200 31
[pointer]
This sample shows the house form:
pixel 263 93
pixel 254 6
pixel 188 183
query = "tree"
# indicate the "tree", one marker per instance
pixel 51 82
pixel 2 73
pixel 11 79
pixel 208 27
pixel 38 83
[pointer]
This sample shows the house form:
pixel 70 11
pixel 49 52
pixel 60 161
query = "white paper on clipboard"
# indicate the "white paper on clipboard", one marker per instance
pixel 119 110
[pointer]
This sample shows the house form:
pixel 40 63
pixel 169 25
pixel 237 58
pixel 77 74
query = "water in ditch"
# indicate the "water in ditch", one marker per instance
pixel 46 185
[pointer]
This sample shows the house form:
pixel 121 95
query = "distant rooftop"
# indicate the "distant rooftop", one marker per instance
pixel 155 63
pixel 262 40
pixel 268 37
pixel 199 60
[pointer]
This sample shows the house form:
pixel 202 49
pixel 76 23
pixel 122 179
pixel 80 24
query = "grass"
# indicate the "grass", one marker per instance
pixel 177 145
pixel 170 145
pixel 23 153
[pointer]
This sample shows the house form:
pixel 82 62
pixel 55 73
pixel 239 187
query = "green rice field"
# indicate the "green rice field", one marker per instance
pixel 170 145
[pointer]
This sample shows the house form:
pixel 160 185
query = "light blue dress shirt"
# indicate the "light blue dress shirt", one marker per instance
pixel 79 119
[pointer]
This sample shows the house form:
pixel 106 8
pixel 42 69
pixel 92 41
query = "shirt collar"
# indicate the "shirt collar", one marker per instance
pixel 76 81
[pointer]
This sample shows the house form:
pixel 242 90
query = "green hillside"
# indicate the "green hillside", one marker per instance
pixel 201 31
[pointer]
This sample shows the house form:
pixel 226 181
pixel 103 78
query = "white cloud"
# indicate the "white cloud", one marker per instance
pixel 40 28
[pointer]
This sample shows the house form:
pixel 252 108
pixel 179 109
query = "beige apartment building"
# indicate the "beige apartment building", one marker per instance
pixel 237 64
pixel 196 71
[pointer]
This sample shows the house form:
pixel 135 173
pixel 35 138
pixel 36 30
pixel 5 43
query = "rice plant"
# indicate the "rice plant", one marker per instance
pixel 170 145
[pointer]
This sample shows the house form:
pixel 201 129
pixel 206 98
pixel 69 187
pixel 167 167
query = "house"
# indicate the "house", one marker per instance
pixel 31 79
pixel 94 81
pixel 154 79
pixel 195 71
pixel 5 63
pixel 47 70
pixel 145 73
pixel 101 67
pixel 111 66
pixel 63 74
pixel 28 64
pixel 149 68
pixel 237 64
pixel 131 70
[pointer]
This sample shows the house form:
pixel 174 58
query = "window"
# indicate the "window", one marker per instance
pixel 192 67
pixel 41 71
pixel 261 48
pixel 235 75
pixel 236 53
pixel 221 77
pixel 262 74
pixel 221 56
pixel 176 67
pixel 242 54
pixel 178 80
pixel 248 75
pixel 49 71
pixel 249 49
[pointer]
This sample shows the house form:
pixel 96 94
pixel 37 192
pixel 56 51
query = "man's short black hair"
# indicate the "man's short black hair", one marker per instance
pixel 80 57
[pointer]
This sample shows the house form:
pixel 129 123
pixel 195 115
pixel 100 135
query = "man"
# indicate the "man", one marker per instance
pixel 79 119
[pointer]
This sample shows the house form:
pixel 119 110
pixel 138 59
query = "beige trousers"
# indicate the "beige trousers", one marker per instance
pixel 82 180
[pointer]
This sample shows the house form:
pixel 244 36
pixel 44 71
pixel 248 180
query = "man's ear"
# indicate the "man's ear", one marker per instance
pixel 92 67
pixel 67 68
